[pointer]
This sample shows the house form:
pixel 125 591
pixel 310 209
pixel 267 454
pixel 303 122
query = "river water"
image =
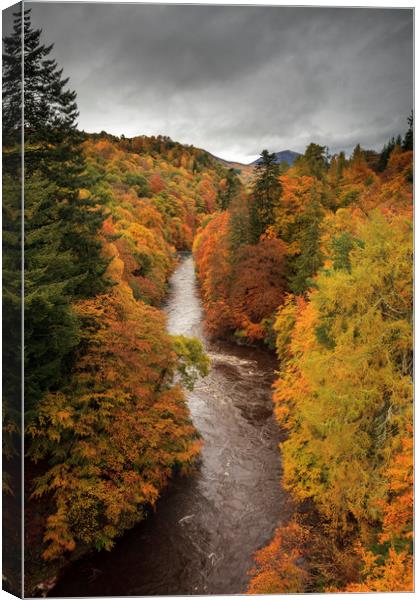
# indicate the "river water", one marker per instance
pixel 207 526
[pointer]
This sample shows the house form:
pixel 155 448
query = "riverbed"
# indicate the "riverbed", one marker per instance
pixel 206 528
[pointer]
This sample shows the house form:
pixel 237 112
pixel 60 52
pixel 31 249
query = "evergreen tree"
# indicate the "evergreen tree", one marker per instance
pixel 266 192
pixel 53 147
pixel 231 189
pixel 62 249
pixel 408 138
pixel 239 227
pixel 51 329
pixel 314 162
pixel 341 246
pixel 50 109
pixel 341 163
pixel 310 259
pixel 12 310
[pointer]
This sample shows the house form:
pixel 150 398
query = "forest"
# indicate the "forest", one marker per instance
pixel 312 262
pixel 316 262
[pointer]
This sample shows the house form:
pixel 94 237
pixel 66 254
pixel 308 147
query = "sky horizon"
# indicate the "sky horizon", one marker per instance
pixel 236 79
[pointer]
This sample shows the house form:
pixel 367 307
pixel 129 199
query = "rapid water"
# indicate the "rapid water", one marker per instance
pixel 207 526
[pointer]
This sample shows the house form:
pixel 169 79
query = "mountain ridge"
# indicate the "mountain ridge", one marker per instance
pixel 246 171
pixel 288 156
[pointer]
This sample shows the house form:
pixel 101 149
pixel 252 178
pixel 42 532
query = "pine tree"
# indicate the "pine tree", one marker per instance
pixel 50 109
pixel 314 162
pixel 51 329
pixel 408 138
pixel 12 310
pixel 52 147
pixel 230 190
pixel 307 263
pixel 266 192
pixel 62 249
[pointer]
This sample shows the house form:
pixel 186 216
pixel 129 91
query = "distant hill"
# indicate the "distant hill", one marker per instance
pixel 246 172
pixel 284 156
pixel 243 171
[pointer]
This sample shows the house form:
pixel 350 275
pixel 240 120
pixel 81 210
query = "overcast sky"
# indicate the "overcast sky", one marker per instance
pixel 235 80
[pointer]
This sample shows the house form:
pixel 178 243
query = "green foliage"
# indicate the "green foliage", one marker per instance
pixel 51 328
pixel 193 363
pixel 341 248
pixel 407 144
pixel 230 189
pixel 314 162
pixel 239 225
pixel 12 312
pixel 266 192
pixel 140 183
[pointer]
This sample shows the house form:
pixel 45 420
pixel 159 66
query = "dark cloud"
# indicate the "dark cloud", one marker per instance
pixel 236 79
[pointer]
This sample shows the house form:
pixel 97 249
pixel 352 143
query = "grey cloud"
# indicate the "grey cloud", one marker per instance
pixel 236 79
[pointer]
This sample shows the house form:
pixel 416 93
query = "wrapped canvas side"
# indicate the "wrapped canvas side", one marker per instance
pixel 12 229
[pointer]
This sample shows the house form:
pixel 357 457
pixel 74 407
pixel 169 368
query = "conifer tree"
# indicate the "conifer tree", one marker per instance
pixel 62 249
pixel 50 109
pixel 230 190
pixel 51 329
pixel 266 192
pixel 307 263
pixel 314 162
pixel 52 146
pixel 408 138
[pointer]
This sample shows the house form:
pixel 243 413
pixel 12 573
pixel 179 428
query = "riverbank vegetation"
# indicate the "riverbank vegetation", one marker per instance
pixel 317 262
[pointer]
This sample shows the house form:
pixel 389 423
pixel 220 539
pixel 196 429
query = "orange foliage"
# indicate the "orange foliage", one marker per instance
pixel 156 183
pixel 241 288
pixel 259 279
pixel 398 508
pixel 112 435
pixel 121 424
pixel 395 574
pixel 279 568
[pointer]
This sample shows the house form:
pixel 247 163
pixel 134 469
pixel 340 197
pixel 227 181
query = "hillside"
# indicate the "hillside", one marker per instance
pixel 288 156
pixel 246 171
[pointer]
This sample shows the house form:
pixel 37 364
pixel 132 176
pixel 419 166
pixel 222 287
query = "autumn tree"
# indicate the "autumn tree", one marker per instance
pixel 115 431
pixel 362 325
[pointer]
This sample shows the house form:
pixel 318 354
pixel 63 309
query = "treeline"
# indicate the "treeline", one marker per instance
pixel 106 424
pixel 317 263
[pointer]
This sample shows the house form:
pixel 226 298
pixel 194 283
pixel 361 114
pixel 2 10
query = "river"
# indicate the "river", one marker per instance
pixel 207 526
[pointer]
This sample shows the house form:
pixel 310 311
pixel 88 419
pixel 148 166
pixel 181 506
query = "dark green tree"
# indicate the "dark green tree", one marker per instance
pixel 51 329
pixel 226 195
pixel 310 259
pixel 385 154
pixel 53 147
pixel 239 228
pixel 408 138
pixel 341 246
pixel 12 307
pixel 266 193
pixel 314 162
pixel 50 109
pixel 61 217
